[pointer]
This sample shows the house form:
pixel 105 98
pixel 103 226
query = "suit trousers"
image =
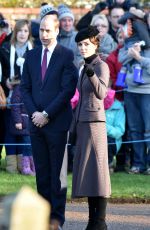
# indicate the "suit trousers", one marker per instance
pixel 48 152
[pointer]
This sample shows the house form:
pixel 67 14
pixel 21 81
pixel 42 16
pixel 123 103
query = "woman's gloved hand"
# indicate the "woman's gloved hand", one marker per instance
pixel 89 70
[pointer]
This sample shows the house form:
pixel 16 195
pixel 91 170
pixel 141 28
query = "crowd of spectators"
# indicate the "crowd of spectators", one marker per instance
pixel 124 33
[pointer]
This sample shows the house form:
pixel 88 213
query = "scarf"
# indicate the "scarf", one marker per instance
pixel 20 62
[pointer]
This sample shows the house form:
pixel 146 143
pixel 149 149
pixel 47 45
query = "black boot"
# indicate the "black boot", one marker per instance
pixel 100 215
pixel 92 212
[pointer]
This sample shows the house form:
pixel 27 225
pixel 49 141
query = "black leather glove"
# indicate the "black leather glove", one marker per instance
pixel 89 70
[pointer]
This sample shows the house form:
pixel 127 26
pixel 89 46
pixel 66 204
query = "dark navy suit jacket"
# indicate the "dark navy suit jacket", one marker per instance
pixel 58 87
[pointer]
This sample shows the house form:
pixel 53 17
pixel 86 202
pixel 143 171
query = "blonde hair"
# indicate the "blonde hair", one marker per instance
pixel 19 24
pixel 99 17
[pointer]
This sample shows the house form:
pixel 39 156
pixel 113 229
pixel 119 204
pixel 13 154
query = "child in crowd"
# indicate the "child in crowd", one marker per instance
pixel 115 123
pixel 135 30
pixel 20 129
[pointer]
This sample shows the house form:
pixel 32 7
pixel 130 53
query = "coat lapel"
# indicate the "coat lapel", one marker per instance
pixel 37 65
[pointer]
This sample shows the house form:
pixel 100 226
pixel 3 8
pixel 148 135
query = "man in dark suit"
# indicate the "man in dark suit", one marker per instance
pixel 47 95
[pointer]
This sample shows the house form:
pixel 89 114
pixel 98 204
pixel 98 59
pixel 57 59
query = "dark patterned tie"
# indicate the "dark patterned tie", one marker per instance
pixel 44 63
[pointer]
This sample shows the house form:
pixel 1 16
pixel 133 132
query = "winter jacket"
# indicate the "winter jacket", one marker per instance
pixel 18 113
pixel 114 67
pixel 107 44
pixel 115 122
pixel 127 60
pixel 67 39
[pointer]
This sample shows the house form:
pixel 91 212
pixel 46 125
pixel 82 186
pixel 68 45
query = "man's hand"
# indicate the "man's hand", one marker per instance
pixel 18 126
pixel 39 120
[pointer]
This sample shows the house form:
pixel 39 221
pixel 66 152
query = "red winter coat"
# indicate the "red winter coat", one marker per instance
pixel 114 67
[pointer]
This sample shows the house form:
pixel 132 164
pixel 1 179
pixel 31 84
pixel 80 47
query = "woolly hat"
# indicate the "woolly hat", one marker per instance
pixel 64 11
pixel 89 32
pixel 47 10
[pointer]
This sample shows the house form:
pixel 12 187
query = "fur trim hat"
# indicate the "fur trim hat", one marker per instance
pixel 47 10
pixel 89 32
pixel 64 11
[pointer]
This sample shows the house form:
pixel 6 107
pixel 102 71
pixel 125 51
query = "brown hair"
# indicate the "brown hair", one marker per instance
pixel 95 41
pixel 19 24
pixel 54 17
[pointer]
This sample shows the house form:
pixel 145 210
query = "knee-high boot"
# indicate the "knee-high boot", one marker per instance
pixel 92 212
pixel 100 215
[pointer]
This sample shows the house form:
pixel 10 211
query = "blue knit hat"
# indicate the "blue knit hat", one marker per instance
pixel 64 11
pixel 47 10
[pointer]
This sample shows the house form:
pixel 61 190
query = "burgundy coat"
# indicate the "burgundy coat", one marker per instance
pixel 114 67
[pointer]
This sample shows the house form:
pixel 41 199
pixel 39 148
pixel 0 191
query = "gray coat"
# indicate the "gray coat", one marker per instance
pixel 125 59
pixel 107 44
pixel 90 169
pixel 67 39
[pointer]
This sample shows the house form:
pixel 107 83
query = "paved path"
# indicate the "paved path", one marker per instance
pixel 119 216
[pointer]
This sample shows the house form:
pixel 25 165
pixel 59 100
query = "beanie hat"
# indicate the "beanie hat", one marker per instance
pixel 109 99
pixel 89 32
pixel 64 11
pixel 47 10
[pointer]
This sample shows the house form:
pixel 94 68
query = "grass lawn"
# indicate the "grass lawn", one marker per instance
pixel 124 186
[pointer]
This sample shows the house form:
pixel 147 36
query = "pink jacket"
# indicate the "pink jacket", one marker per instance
pixel 75 99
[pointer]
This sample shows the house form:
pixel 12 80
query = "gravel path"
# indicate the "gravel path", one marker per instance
pixel 119 216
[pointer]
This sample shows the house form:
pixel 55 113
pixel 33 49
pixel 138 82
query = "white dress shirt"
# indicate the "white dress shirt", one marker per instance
pixel 49 53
